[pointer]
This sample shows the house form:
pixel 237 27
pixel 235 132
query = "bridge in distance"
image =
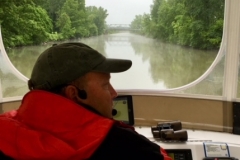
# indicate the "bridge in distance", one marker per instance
pixel 121 39
pixel 120 27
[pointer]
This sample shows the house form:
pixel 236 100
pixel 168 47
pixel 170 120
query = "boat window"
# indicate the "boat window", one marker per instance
pixel 175 46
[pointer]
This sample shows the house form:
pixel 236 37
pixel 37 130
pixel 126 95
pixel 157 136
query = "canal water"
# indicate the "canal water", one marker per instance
pixel 156 65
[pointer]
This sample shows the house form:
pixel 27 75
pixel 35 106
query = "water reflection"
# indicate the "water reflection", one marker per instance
pixel 175 65
pixel 156 65
pixel 212 84
pixel 11 85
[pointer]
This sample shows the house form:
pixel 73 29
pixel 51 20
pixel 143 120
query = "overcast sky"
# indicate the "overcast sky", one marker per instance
pixel 122 11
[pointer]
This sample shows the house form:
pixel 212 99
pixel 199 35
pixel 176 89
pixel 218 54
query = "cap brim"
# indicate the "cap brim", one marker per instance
pixel 113 65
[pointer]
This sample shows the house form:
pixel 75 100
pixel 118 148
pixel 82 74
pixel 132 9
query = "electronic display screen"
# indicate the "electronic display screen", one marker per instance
pixel 171 155
pixel 124 107
pixel 179 154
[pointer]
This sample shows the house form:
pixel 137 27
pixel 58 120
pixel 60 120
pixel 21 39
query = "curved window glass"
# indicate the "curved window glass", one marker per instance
pixel 12 83
pixel 174 45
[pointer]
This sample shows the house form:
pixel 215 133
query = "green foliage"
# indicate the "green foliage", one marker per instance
pixel 194 23
pixel 54 36
pixel 26 22
pixel 52 7
pixel 155 9
pixel 96 19
pixel 65 26
pixel 74 17
pixel 137 24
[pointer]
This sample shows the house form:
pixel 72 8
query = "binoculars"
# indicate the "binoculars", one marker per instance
pixel 169 131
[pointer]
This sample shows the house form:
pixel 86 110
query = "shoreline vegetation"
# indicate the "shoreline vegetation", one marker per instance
pixel 190 23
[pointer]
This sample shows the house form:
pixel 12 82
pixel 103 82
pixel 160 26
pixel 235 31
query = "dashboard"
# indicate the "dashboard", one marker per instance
pixel 181 144
pixel 201 145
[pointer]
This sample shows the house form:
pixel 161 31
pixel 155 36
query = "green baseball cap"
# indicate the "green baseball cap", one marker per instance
pixel 63 63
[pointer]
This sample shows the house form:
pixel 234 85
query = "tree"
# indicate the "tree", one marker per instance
pixel 194 23
pixel 97 16
pixel 65 27
pixel 75 9
pixel 53 8
pixel 24 23
pixel 137 24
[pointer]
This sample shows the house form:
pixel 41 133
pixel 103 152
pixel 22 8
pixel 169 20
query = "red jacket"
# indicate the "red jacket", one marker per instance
pixel 50 127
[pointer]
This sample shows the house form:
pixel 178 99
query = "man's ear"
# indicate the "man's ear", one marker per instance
pixel 71 92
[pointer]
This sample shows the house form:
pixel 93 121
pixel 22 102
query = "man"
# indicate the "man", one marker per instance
pixel 67 115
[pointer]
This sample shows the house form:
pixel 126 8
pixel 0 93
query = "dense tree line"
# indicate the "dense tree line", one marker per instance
pixel 26 22
pixel 194 23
